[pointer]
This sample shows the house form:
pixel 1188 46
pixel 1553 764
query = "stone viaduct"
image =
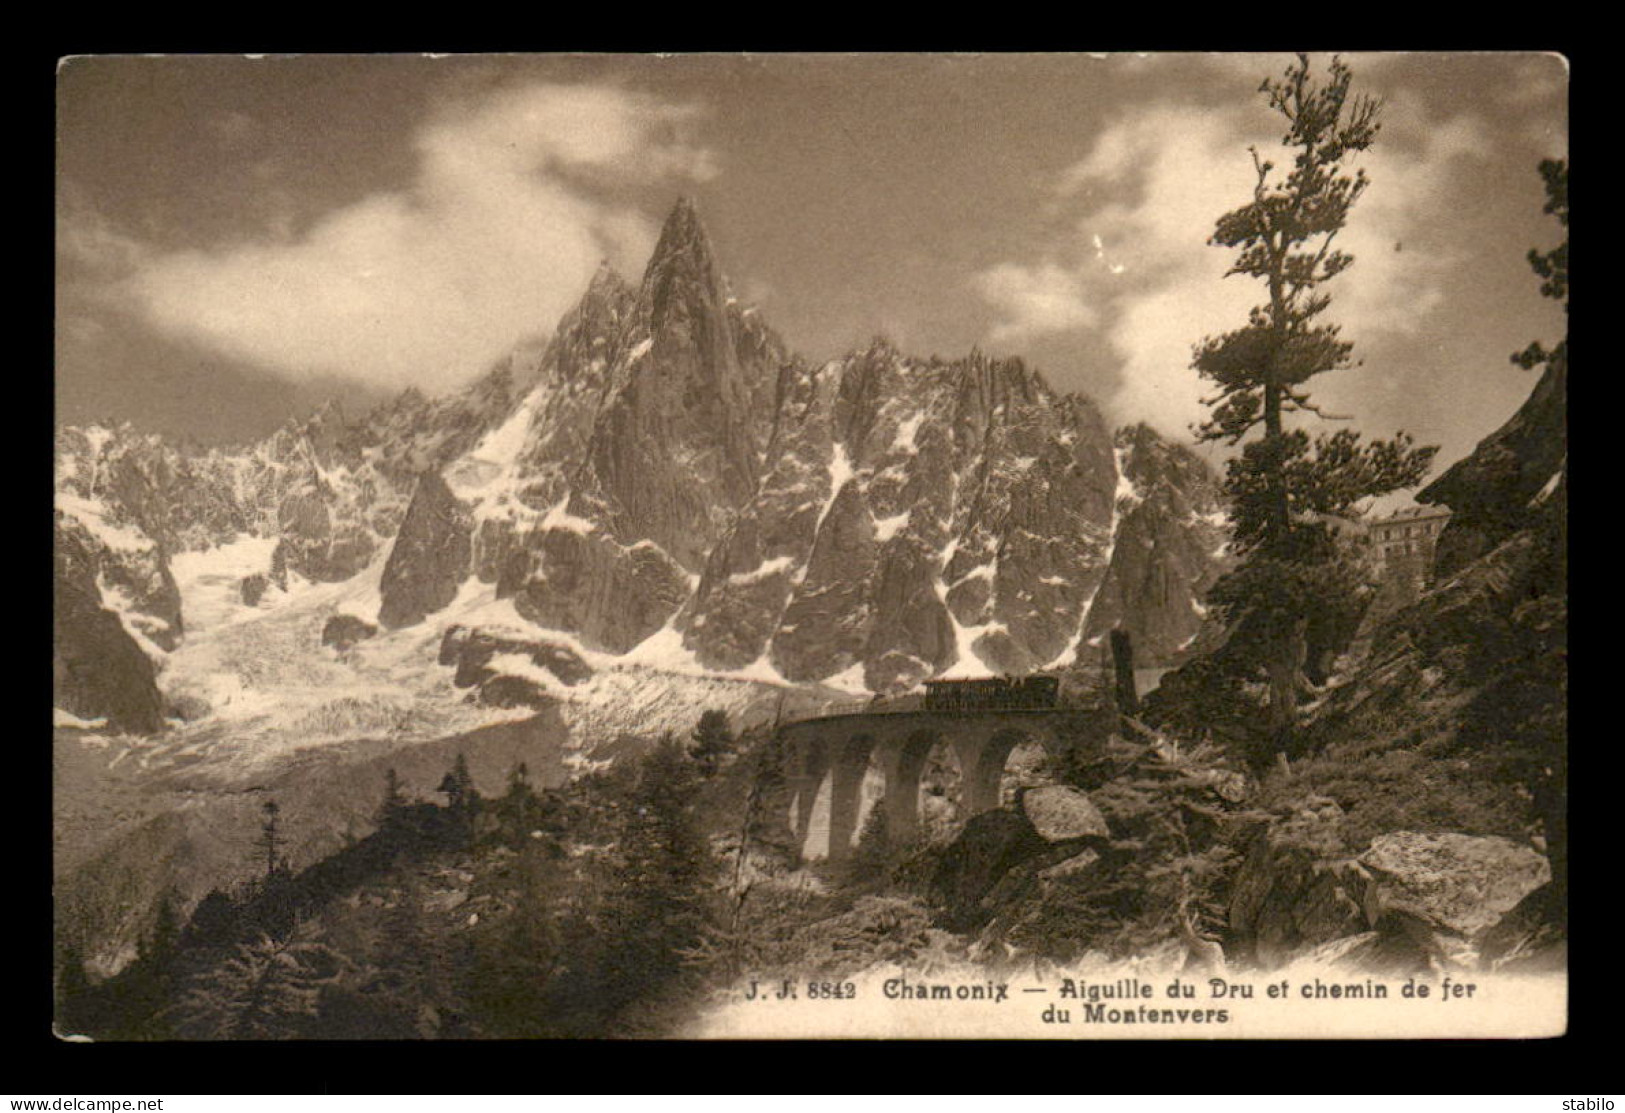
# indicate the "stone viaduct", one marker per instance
pixel 829 756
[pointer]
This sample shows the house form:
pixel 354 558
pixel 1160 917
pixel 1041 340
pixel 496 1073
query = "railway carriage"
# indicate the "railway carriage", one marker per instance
pixel 993 693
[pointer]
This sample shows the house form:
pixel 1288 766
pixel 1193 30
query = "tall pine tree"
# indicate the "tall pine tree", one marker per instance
pixel 1552 267
pixel 655 908
pixel 1291 571
pixel 713 742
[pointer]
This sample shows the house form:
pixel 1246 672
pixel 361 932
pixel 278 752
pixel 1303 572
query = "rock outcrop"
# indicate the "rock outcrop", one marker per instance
pixel 98 669
pixel 126 570
pixel 1422 897
pixel 343 631
pixel 1060 813
pixel 480 655
pixel 1295 889
pixel 1169 547
pixel 1463 883
pixel 430 558
pixel 1499 488
pixel 990 846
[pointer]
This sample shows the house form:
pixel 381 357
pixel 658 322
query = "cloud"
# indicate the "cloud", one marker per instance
pixel 1141 204
pixel 1034 300
pixel 509 214
pixel 88 241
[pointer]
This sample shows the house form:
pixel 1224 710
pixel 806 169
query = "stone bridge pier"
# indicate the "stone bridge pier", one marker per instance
pixel 829 759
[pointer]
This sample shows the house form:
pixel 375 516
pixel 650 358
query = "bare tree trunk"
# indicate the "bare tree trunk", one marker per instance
pixel 1128 697
pixel 1285 680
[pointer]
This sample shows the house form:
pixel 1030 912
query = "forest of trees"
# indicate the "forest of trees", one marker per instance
pixel 531 913
pixel 615 906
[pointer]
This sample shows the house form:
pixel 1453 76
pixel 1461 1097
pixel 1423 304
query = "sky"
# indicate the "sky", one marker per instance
pixel 240 239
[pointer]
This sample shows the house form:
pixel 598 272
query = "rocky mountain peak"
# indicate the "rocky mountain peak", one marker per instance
pixel 607 284
pixel 682 257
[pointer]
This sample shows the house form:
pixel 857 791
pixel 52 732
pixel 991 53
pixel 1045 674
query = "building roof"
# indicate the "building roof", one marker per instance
pixel 1414 513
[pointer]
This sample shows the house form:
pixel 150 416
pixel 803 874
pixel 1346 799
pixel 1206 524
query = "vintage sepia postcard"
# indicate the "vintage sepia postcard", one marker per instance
pixel 1060 546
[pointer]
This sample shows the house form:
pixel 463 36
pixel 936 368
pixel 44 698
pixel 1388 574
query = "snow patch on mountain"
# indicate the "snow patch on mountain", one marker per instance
pixel 762 571
pixel 887 528
pixel 138 625
pixel 906 431
pixel 849 679
pixel 210 580
pixel 92 514
pixel 1551 484
pixel 1127 495
pixel 559 517
pixel 967 662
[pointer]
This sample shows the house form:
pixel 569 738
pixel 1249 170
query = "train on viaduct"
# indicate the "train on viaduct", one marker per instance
pixel 977 722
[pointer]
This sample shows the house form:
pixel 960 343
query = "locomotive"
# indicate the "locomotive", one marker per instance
pixel 993 693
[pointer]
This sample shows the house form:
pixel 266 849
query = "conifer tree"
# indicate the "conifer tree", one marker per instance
pixel 514 964
pixel 405 952
pixel 458 784
pixel 872 858
pixel 166 931
pixel 154 971
pixel 654 909
pixel 214 923
pixel 394 801
pixel 270 840
pixel 1552 267
pixel 1282 482
pixel 263 989
pixel 462 801
pixel 712 742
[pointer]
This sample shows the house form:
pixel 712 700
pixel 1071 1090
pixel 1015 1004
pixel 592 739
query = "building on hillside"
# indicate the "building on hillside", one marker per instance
pixel 1400 547
pixel 1404 542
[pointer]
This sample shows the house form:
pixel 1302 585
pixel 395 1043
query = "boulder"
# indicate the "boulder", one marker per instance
pixel 253 589
pixel 344 630
pixel 1464 883
pixel 1296 889
pixel 451 644
pixel 989 847
pixel 1399 944
pixel 1531 937
pixel 513 691
pixel 1059 813
pixel 1427 896
pixel 188 707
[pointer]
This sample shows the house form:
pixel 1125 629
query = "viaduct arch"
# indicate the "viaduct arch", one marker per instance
pixel 829 756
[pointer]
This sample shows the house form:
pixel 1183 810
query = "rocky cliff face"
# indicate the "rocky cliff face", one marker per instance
pixel 674 480
pixel 100 669
pixel 430 557
pixel 1169 546
pixel 1500 487
pixel 663 481
pixel 917 517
